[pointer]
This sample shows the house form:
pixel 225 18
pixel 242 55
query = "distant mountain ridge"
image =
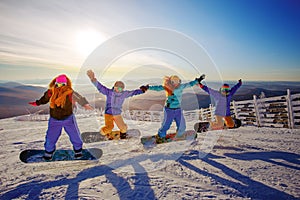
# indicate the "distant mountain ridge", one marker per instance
pixel 14 97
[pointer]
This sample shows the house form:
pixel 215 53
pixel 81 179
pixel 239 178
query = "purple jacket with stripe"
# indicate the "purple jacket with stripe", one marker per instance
pixel 115 100
pixel 222 102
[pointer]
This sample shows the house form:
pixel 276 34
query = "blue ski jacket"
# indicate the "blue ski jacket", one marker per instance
pixel 222 102
pixel 174 101
pixel 115 100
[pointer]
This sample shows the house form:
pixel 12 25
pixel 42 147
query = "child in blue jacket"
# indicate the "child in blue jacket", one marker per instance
pixel 172 110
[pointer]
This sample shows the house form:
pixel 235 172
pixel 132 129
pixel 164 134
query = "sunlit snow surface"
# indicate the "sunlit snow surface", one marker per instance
pixel 249 162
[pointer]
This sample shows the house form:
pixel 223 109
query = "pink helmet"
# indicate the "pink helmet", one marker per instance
pixel 61 79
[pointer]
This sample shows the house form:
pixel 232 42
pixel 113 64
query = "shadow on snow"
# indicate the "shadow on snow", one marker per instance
pixel 245 186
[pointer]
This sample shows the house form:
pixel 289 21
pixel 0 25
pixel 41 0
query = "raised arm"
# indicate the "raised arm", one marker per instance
pixel 236 87
pixel 156 87
pixel 101 88
pixel 204 87
pixel 192 83
pixel 131 93
pixel 209 90
pixel 189 84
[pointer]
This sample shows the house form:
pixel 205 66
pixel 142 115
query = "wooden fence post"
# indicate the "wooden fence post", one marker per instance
pixel 235 109
pixel 290 109
pixel 201 114
pixel 256 111
pixel 211 112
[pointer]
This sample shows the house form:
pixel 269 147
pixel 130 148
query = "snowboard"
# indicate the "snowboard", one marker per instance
pixel 96 136
pixel 36 155
pixel 200 127
pixel 205 126
pixel 170 137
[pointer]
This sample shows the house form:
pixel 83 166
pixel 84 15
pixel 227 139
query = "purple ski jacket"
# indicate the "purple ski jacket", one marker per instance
pixel 115 100
pixel 222 102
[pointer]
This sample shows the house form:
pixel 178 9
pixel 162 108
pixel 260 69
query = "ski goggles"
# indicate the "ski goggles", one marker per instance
pixel 60 84
pixel 119 89
pixel 173 82
pixel 226 90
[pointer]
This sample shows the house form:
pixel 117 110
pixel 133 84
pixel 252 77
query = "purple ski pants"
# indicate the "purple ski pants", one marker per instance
pixel 169 116
pixel 54 131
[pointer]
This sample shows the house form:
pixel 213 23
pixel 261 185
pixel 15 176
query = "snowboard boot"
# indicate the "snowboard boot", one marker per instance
pixel 48 155
pixel 109 136
pixel 123 135
pixel 160 139
pixel 78 153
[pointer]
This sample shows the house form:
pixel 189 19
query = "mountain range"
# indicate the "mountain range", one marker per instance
pixel 14 97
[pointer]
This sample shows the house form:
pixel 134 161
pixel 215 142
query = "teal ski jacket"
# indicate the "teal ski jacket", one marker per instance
pixel 174 101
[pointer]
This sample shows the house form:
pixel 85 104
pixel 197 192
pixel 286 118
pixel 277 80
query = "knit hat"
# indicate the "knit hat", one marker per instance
pixel 61 79
pixel 225 88
pixel 225 85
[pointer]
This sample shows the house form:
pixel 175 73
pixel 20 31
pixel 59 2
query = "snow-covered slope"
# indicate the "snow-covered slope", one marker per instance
pixel 244 163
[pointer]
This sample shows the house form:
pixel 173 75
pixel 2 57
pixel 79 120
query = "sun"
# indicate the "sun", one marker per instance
pixel 87 41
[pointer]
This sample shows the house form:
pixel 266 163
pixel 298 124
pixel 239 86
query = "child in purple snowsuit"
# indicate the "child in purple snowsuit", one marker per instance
pixel 62 98
pixel 115 98
pixel 222 100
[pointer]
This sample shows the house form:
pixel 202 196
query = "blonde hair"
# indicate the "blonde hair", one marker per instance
pixel 168 86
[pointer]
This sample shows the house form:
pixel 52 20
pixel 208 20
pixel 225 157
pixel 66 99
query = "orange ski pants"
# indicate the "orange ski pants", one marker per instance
pixel 109 124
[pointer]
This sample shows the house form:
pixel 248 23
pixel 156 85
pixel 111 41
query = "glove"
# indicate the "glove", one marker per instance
pixel 91 75
pixel 144 88
pixel 200 78
pixel 240 81
pixel 33 103
pixel 201 85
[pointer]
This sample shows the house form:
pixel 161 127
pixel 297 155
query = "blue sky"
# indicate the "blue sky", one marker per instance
pixel 248 39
